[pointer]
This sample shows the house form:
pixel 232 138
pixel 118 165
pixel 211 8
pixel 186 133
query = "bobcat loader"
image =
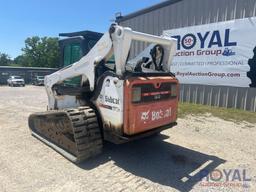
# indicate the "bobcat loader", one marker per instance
pixel 107 94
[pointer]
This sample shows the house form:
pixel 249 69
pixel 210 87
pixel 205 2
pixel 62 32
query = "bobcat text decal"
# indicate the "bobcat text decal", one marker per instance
pixel 155 115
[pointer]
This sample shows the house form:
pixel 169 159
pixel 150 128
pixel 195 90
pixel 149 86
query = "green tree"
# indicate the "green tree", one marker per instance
pixel 5 59
pixel 20 60
pixel 40 52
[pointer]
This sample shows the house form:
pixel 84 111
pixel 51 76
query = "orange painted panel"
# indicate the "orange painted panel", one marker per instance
pixel 143 116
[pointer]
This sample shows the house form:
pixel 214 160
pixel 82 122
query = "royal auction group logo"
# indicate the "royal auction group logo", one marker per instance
pixel 205 43
pixel 225 178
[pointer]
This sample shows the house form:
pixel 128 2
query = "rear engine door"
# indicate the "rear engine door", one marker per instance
pixel 150 102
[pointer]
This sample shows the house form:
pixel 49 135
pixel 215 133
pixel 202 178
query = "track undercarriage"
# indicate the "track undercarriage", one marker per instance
pixel 74 133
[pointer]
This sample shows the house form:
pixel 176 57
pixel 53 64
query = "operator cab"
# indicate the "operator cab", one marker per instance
pixel 76 45
pixel 73 47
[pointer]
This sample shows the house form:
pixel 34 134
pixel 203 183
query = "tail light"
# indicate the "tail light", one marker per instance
pixel 136 94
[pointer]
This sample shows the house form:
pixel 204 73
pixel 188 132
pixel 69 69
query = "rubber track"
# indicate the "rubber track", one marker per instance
pixel 85 132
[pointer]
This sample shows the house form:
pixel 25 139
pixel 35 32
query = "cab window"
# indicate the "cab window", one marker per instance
pixel 72 53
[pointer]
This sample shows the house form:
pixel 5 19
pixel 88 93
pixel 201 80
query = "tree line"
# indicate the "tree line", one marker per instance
pixel 38 52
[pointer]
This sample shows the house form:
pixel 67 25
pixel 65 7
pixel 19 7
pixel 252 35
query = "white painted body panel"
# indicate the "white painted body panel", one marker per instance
pixel 110 101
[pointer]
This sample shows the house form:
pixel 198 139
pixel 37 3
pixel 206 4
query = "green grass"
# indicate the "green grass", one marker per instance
pixel 236 115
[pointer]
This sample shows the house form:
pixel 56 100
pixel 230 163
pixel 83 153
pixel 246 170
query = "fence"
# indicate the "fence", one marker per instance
pixel 221 96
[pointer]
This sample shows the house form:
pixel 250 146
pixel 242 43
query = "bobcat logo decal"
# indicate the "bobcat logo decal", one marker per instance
pixel 144 115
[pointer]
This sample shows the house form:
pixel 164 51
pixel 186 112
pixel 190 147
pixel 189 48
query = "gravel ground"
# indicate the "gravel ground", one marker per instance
pixel 172 161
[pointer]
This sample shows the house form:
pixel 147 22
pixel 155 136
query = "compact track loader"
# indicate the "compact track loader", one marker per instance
pixel 106 92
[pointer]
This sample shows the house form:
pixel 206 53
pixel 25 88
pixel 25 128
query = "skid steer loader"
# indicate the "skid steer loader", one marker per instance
pixel 107 94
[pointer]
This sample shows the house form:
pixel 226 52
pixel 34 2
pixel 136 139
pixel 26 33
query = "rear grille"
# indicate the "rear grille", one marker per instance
pixel 151 93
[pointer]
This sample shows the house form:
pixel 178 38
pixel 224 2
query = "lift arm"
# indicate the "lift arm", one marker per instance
pixel 116 41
